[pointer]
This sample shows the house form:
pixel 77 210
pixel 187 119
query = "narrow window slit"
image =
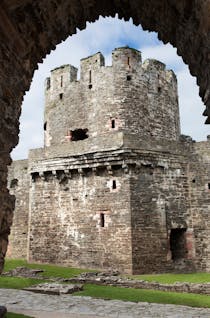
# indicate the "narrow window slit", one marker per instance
pixel 113 123
pixel 114 184
pixel 90 80
pixel 61 81
pixel 61 96
pixel 102 219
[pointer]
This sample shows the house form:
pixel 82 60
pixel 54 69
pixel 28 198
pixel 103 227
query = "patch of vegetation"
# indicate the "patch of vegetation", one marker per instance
pixel 13 315
pixel 18 282
pixel 143 295
pixel 175 278
pixel 49 270
pixel 109 292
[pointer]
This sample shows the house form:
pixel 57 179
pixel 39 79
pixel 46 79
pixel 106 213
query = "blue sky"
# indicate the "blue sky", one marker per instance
pixel 104 35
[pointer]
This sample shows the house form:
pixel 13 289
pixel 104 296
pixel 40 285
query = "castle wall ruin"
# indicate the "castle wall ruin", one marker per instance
pixel 113 187
pixel 30 30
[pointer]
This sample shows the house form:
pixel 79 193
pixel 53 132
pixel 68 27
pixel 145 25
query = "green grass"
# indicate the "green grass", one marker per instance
pixel 18 282
pixel 12 315
pixel 109 292
pixel 174 278
pixel 143 295
pixel 49 270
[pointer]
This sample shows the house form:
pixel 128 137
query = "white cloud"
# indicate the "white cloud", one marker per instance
pixel 164 53
pixel 104 36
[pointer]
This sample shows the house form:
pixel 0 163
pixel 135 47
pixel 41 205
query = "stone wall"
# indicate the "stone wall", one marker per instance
pixel 149 194
pixel 119 196
pixel 199 181
pixel 159 206
pixel 78 219
pixel 18 182
pixel 31 29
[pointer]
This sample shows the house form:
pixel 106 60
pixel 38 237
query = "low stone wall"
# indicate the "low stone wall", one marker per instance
pixel 102 279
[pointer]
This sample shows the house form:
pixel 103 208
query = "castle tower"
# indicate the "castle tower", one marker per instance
pixel 129 97
pixel 110 189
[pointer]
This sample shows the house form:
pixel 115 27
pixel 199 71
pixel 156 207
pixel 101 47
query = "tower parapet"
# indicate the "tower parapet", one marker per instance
pixel 127 58
pixel 89 67
pixel 131 97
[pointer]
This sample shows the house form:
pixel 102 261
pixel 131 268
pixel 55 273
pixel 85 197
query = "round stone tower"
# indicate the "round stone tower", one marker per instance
pixel 135 98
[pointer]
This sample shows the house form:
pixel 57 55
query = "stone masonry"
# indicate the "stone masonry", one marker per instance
pixel 116 186
pixel 31 29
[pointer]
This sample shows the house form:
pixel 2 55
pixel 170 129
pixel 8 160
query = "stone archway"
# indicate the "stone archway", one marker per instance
pixel 30 29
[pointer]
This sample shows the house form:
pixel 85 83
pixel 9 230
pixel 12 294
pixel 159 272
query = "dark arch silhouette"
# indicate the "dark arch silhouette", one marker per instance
pixel 31 29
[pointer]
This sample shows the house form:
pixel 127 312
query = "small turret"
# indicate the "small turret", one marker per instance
pixel 89 66
pixel 126 58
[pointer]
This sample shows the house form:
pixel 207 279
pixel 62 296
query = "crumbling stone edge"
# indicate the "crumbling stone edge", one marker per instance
pixel 119 281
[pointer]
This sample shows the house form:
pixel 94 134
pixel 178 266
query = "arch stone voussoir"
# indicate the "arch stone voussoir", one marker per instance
pixel 31 29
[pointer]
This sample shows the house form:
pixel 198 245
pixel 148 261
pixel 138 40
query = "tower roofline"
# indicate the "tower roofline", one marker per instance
pixel 63 66
pixel 85 58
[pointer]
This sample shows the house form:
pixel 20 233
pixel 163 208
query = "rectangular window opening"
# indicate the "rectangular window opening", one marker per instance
pixel 61 96
pixel 113 123
pixel 209 186
pixel 114 184
pixel 78 134
pixel 102 219
pixel 128 77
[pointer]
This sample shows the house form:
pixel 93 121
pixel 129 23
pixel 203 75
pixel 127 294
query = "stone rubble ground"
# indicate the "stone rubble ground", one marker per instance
pixel 114 279
pixel 55 288
pixel 108 278
pixel 64 306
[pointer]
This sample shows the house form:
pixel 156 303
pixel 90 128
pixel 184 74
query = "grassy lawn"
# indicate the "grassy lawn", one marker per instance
pixel 18 282
pixel 143 295
pixel 174 278
pixel 12 315
pixel 49 270
pixel 109 292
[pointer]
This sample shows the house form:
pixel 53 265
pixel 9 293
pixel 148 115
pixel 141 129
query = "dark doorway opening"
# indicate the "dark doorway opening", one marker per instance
pixel 178 243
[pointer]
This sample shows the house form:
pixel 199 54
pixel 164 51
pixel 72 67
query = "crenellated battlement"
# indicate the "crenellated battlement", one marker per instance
pixel 128 96
pixel 125 58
